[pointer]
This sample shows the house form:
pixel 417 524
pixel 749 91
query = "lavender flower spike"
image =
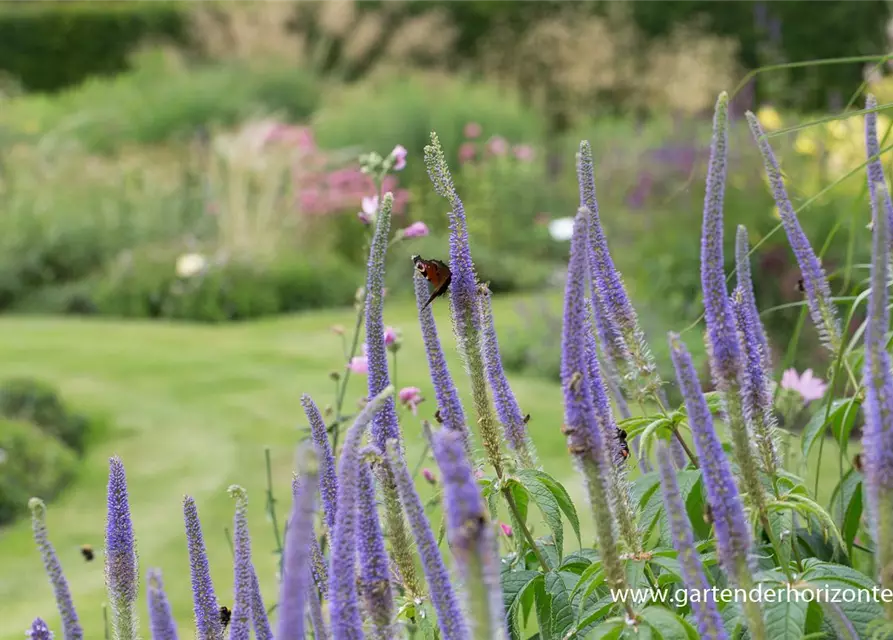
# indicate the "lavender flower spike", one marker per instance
pixel 295 585
pixel 710 624
pixel 877 436
pixel 375 581
pixel 317 621
pixel 39 630
pixel 507 408
pixel 875 168
pixel 71 626
pixel 239 626
pixel 384 423
pixel 733 538
pixel 471 538
pixel 584 436
pixel 818 293
pixel 347 623
pixel 161 622
pixel 328 478
pixel 121 570
pixel 449 614
pixel 451 413
pixel 207 616
pixel 262 629
pixel 722 336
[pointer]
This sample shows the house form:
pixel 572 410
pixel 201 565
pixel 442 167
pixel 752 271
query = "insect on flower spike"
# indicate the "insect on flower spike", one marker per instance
pixel 435 272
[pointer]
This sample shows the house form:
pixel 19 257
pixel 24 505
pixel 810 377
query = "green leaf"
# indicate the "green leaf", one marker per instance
pixel 667 624
pixel 514 585
pixel 688 482
pixel 591 615
pixel 543 497
pixel 635 425
pixel 562 610
pixel 543 610
pixel 593 572
pixel 785 617
pixel 565 503
pixel 608 630
pixel 830 577
pixel 841 419
pixel 807 506
pixel 846 506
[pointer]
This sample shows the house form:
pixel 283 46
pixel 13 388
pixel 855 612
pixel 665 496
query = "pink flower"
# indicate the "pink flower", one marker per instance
pixel 467 152
pixel 472 130
pixel 429 476
pixel 506 529
pixel 498 146
pixel 370 206
pixel 415 230
pixel 359 364
pixel 410 397
pixel 390 336
pixel 523 152
pixel 808 386
pixel 399 156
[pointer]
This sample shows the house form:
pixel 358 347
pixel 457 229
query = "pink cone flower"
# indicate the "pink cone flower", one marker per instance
pixel 808 386
pixel 498 146
pixel 506 529
pixel 399 155
pixel 415 230
pixel 472 130
pixel 523 152
pixel 467 152
pixel 390 336
pixel 359 364
pixel 429 476
pixel 410 397
pixel 370 206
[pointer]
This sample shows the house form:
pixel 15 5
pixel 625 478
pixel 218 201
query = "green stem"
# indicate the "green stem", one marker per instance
pixel 510 499
pixel 271 509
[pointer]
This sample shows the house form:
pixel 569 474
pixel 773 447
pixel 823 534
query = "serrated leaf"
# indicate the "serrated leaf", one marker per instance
pixel 688 482
pixel 846 506
pixel 666 624
pixel 514 585
pixel 841 418
pixel 590 615
pixel 593 572
pixel 562 610
pixel 564 503
pixel 643 487
pixel 785 618
pixel 543 601
pixel 608 630
pixel 542 495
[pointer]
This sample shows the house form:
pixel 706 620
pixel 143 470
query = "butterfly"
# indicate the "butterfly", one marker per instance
pixel 87 552
pixel 435 272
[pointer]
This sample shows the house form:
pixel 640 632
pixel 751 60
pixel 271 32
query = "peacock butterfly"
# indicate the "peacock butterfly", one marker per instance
pixel 435 272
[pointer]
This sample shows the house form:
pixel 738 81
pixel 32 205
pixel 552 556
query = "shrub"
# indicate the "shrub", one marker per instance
pixel 39 403
pixel 32 463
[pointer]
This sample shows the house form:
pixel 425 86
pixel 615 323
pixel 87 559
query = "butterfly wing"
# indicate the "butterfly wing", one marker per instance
pixel 435 272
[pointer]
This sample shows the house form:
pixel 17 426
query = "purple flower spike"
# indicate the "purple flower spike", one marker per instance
pixel 317 621
pixel 733 539
pixel 877 436
pixel 328 478
pixel 39 630
pixel 240 620
pixel 818 293
pixel 71 626
pixel 207 616
pixel 161 622
pixel 449 614
pixel 507 407
pixel 710 624
pixel 347 623
pixel 262 629
pixel 121 570
pixel 375 582
pixel 384 423
pixel 299 537
pixel 471 538
pixel 448 402
pixel 875 168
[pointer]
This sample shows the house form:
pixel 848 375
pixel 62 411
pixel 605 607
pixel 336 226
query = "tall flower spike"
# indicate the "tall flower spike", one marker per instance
pixel 121 570
pixel 875 168
pixel 295 587
pixel 470 535
pixel 463 302
pixel 745 284
pixel 262 629
pixel 384 424
pixel 877 436
pixel 207 616
pixel 449 614
pixel 39 630
pixel 733 538
pixel 584 437
pixel 347 624
pixel 243 579
pixel 161 621
pixel 504 400
pixel 328 477
pixel 619 487
pixel 318 568
pixel 317 621
pixel 375 582
pixel 818 293
pixel 71 626
pixel 722 335
pixel 710 624
pixel 448 403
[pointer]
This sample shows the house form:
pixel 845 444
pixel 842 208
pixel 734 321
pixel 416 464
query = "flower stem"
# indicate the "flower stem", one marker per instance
pixel 510 499
pixel 271 509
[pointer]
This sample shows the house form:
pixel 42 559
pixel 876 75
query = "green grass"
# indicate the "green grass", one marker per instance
pixel 190 410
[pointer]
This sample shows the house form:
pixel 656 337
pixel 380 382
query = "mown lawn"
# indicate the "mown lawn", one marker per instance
pixel 190 410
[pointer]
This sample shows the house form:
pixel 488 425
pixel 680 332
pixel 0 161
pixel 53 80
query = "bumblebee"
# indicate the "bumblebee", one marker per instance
pixel 87 552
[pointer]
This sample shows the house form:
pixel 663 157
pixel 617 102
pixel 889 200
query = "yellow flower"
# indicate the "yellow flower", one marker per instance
pixel 769 118
pixel 805 144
